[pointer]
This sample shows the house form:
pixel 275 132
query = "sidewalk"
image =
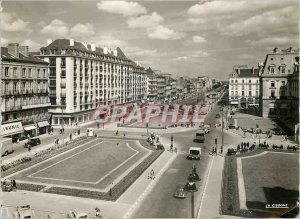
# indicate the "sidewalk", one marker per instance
pixel 211 199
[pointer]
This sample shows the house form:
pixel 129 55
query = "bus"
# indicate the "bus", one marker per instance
pixel 200 135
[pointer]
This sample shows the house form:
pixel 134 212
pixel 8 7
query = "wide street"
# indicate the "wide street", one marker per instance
pixel 160 203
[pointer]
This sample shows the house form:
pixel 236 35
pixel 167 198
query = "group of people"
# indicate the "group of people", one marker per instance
pixel 214 151
pixel 50 131
pixel 9 185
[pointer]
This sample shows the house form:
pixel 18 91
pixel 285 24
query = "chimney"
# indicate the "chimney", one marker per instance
pixel 13 49
pixel 93 47
pixel 115 52
pixel 49 41
pixel 105 50
pixel 71 42
pixel 24 50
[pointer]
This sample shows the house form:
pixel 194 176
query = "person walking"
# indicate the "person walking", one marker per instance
pixel 52 130
pixel 55 142
pixel 70 136
pixel 29 148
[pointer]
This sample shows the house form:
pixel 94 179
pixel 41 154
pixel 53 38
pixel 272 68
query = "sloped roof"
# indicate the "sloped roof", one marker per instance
pixel 5 56
pixel 149 71
pixel 247 73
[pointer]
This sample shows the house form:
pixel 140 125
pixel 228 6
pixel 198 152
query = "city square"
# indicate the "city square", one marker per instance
pixel 150 109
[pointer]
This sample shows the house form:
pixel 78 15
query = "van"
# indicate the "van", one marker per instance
pixel 194 153
pixel 6 149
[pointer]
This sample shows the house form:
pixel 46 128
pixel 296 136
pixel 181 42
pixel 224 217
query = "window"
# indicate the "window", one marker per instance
pixel 283 83
pixel 250 87
pixel 52 62
pixel 6 71
pixel 283 70
pixel 272 71
pixel 63 73
pixel 272 83
pixel 250 93
pixel 243 93
pixel 250 81
pixel 243 87
pixel 15 86
pixel 232 93
pixel 29 73
pixel 272 94
pixel 15 72
pixel 38 73
pixel 256 92
pixel 242 81
pixel 24 72
pixel 52 51
pixel 236 81
pixel 44 73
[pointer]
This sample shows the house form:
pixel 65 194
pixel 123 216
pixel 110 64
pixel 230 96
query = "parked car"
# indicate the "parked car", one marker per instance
pixel 217 116
pixel 194 153
pixel 32 142
pixel 277 147
pixel 75 214
pixel 23 212
pixel 231 151
pixel 293 147
pixel 180 192
pixel 266 146
pixel 6 150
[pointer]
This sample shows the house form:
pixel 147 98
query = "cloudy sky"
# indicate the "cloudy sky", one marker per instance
pixel 179 37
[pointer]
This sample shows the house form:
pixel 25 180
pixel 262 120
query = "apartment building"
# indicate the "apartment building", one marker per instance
pixel 24 93
pixel 84 76
pixel 278 69
pixel 244 87
pixel 152 85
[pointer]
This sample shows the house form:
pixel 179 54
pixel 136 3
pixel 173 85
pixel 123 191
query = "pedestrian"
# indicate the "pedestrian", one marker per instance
pixel 248 144
pixel 118 143
pixel 70 136
pixel 29 148
pixel 18 140
pixel 52 130
pixel 60 131
pixel 14 184
pixel 124 134
pixel 78 131
pixel 55 141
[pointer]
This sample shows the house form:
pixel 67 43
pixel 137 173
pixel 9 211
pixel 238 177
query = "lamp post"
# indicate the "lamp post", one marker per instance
pixel 222 133
pixel 58 99
pixel 191 187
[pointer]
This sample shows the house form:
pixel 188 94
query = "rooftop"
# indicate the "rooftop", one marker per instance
pixel 5 56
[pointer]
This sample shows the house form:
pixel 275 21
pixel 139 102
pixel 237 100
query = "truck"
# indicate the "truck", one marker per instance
pixel 6 149
pixel 200 135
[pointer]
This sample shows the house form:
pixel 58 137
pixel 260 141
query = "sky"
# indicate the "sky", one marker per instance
pixel 184 38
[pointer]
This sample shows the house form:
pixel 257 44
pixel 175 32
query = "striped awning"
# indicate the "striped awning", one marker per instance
pixel 29 127
pixel 43 124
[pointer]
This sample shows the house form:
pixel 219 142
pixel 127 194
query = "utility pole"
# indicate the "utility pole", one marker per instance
pixel 222 133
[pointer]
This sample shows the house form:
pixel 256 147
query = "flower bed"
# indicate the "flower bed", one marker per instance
pixel 25 162
pixel 115 192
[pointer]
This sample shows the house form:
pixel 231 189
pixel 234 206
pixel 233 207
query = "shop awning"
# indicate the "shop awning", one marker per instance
pixel 11 128
pixel 43 124
pixel 29 127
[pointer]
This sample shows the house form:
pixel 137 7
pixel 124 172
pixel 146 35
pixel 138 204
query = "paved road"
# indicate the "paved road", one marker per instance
pixel 160 203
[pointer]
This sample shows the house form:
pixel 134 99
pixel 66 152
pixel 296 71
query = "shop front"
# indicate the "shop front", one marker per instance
pixel 43 127
pixel 13 129
pixel 30 131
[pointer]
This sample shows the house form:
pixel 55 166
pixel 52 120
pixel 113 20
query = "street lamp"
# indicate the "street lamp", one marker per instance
pixel 58 99
pixel 191 187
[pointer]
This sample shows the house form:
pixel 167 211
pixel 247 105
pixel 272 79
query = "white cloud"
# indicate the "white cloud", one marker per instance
pixel 163 33
pixel 108 41
pixel 138 52
pixel 4 41
pixel 275 41
pixel 33 46
pixel 82 30
pixel 145 21
pixel 11 23
pixel 247 56
pixel 199 39
pixel 56 28
pixel 127 9
pixel 281 20
pixel 192 56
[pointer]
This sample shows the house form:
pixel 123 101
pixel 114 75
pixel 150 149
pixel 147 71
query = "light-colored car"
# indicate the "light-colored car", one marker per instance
pixel 180 192
pixel 206 129
pixel 75 214
pixel 23 212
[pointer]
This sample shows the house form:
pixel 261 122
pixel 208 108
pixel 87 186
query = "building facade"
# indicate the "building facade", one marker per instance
pixel 152 85
pixel 83 77
pixel 278 69
pixel 244 87
pixel 24 93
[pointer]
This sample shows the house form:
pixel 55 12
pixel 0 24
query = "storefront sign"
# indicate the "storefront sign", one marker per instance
pixel 11 128
pixel 43 124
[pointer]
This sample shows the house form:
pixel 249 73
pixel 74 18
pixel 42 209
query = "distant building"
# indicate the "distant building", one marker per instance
pixel 244 87
pixel 279 69
pixel 24 93
pixel 152 85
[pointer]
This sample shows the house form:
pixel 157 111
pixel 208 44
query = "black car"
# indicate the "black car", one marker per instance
pixel 293 147
pixel 32 142
pixel 277 147
pixel 218 116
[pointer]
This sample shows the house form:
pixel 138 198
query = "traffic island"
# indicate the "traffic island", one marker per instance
pixel 254 182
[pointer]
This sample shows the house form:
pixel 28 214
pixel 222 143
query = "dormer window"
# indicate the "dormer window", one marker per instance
pixel 42 52
pixel 63 51
pixel 52 51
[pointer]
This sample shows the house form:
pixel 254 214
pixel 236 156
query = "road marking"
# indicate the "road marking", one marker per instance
pixel 241 185
pixel 21 171
pixel 149 187
pixel 204 190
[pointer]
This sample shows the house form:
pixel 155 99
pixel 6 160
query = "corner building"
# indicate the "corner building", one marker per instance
pixel 83 77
